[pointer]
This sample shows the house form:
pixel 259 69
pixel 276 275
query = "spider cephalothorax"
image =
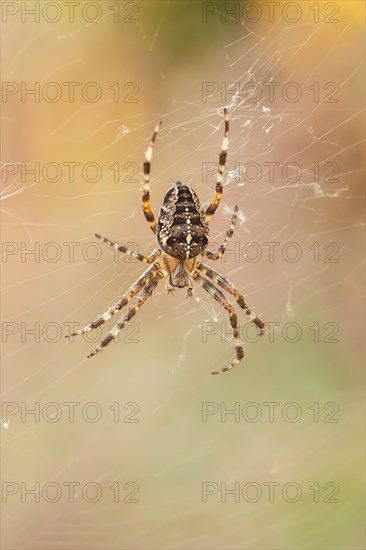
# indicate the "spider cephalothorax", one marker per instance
pixel 182 232
pixel 178 271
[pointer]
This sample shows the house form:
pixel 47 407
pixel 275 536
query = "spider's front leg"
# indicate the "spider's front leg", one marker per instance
pixel 146 189
pixel 221 251
pixel 221 171
pixel 122 248
pixel 220 298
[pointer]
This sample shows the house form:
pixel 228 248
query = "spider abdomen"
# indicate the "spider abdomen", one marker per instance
pixel 182 227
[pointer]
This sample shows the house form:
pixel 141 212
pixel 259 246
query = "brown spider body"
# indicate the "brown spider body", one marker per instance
pixel 182 232
pixel 182 226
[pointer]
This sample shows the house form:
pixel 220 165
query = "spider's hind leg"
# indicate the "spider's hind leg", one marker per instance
pixel 231 289
pixel 220 298
pixel 113 333
pixel 122 302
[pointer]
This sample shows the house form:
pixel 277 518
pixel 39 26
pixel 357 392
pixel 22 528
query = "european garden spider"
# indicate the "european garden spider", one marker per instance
pixel 182 232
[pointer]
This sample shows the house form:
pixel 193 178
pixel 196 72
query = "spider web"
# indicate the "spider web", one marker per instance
pixel 294 92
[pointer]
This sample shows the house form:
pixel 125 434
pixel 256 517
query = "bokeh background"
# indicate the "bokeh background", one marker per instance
pixel 151 444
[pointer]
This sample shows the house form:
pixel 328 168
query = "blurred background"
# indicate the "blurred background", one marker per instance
pixel 137 448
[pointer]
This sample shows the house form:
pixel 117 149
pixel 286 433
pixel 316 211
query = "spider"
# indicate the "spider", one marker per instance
pixel 182 232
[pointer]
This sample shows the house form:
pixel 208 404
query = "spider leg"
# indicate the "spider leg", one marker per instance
pixel 211 209
pixel 146 189
pixel 229 234
pixel 112 334
pixel 123 301
pixel 122 248
pixel 231 289
pixel 220 298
